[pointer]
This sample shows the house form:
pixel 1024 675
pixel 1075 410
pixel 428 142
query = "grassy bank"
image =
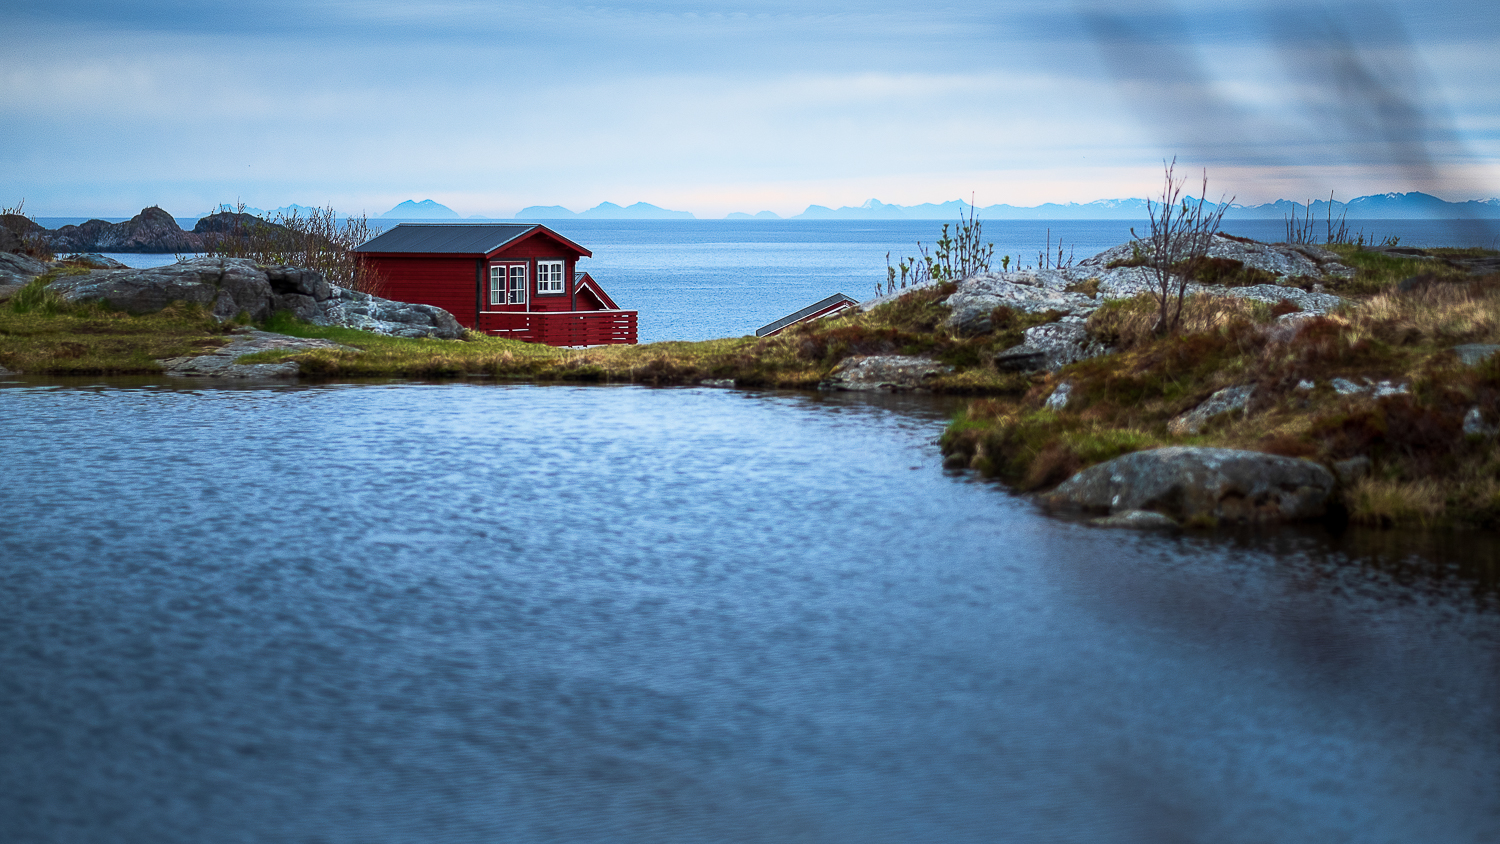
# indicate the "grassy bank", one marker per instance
pixel 1423 469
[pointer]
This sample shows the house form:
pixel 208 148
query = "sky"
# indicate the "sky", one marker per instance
pixel 489 107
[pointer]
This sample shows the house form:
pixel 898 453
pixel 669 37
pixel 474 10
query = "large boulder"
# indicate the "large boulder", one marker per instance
pixel 1051 347
pixel 891 373
pixel 352 309
pixel 226 287
pixel 17 269
pixel 232 287
pixel 1194 484
pixel 1031 291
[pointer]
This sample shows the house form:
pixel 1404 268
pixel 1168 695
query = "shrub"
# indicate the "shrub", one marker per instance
pixel 1181 231
pixel 318 241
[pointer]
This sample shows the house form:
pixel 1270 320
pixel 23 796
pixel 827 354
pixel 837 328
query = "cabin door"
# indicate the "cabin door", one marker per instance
pixel 508 287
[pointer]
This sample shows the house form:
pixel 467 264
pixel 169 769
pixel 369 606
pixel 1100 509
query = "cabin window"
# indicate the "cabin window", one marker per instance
pixel 549 276
pixel 518 285
pixel 497 285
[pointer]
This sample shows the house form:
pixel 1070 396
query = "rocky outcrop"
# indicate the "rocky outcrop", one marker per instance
pixel 152 230
pixel 1197 484
pixel 220 363
pixel 1076 291
pixel 1050 347
pixel 1282 260
pixel 891 373
pixel 231 288
pixel 1032 291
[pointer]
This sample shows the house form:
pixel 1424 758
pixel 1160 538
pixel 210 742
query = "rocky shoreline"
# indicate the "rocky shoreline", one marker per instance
pixel 1306 388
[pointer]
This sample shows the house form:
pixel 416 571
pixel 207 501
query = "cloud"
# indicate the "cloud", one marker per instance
pixel 510 104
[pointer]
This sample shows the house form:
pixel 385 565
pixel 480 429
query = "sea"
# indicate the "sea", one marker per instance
pixel 390 612
pixel 705 279
pixel 396 611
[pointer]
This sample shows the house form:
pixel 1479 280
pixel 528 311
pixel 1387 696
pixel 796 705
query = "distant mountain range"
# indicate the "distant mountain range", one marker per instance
pixel 603 211
pixel 1385 206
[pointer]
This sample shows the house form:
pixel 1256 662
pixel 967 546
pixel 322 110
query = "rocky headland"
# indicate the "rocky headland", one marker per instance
pixel 151 231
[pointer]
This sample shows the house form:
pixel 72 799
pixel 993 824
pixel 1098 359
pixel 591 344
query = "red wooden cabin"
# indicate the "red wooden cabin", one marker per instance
pixel 508 279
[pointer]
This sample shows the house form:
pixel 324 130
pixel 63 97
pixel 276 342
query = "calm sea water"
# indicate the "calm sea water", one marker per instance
pixel 702 279
pixel 405 612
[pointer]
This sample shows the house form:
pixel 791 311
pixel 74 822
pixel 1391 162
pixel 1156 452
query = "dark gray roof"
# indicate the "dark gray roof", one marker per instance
pixel 452 238
pixel 805 313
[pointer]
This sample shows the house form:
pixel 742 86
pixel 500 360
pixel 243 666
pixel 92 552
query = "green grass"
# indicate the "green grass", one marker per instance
pixel 41 333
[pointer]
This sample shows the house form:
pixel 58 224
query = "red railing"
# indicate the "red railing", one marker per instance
pixel 562 328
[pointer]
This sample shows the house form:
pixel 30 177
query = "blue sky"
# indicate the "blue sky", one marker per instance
pixel 489 107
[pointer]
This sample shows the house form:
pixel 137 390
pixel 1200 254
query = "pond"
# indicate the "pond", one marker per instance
pixel 476 612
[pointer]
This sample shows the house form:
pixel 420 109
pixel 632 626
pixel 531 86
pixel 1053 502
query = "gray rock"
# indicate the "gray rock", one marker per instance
pixel 894 373
pixel 717 382
pixel 1137 520
pixel 1351 470
pixel 93 261
pixel 1370 387
pixel 1022 358
pixel 1288 326
pixel 1029 292
pixel 231 287
pixel 1279 259
pixel 1306 386
pixel 17 269
pixel 225 287
pixel 1063 343
pixel 1312 304
pixel 1184 484
pixel 352 309
pixel 1473 354
pixel 1060 396
pixel 1476 426
pixel 1224 401
pixel 220 363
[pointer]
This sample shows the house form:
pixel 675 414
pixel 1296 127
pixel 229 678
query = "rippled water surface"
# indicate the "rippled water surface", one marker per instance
pixel 490 613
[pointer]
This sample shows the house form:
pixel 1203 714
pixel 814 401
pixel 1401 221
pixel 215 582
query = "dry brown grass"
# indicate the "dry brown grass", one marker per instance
pixel 1444 313
pixel 1382 502
pixel 1130 323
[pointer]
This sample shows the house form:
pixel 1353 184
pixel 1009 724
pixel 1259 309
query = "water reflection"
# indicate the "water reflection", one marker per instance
pixel 365 613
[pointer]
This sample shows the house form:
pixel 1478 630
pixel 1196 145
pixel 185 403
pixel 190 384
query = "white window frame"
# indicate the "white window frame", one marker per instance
pixel 517 285
pixel 549 277
pixel 497 284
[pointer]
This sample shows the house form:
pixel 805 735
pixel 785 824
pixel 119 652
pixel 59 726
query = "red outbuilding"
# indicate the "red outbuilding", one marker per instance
pixel 507 279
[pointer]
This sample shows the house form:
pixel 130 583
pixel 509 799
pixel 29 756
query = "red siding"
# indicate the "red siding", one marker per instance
pixel 544 248
pixel 582 317
pixel 449 283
